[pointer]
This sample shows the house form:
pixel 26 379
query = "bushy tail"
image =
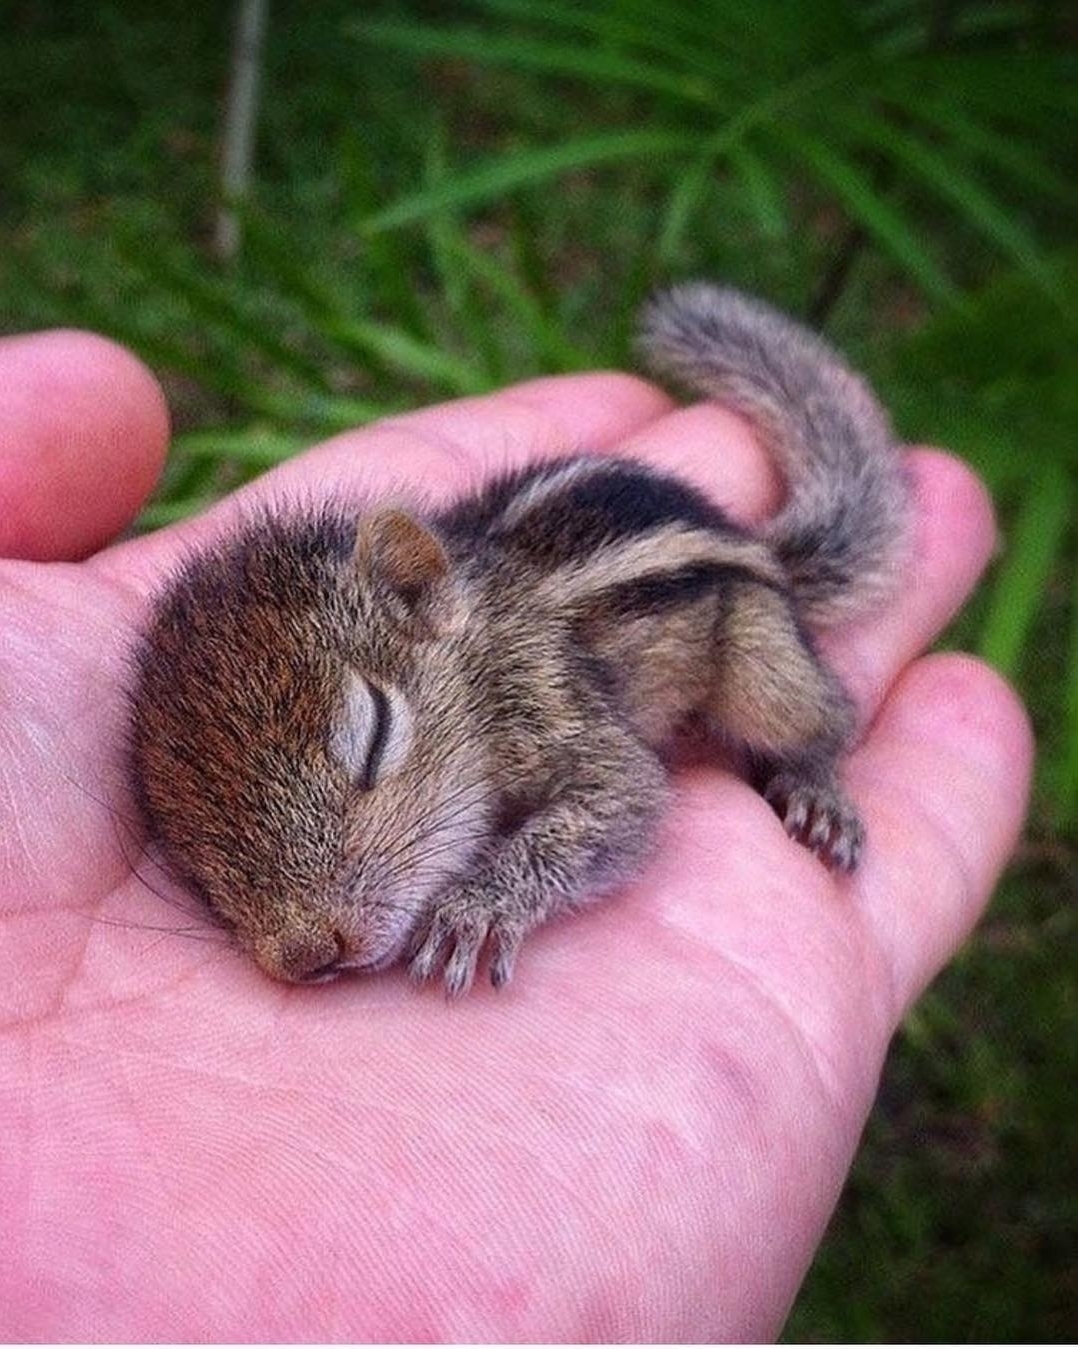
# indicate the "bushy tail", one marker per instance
pixel 841 533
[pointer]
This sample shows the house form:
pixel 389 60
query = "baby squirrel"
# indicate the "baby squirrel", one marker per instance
pixel 406 736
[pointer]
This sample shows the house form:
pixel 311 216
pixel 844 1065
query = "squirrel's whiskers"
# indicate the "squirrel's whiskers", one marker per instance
pixel 406 735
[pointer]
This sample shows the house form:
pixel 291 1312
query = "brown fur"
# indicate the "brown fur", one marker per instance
pixel 361 740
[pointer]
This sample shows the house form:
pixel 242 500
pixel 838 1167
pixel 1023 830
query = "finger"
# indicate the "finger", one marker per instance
pixel 83 434
pixel 559 414
pixel 452 446
pixel 448 448
pixel 716 450
pixel 434 454
pixel 944 781
pixel 954 536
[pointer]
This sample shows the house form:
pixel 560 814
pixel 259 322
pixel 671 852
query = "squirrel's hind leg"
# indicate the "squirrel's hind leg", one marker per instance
pixel 774 694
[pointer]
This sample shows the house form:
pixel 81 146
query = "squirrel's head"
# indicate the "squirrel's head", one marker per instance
pixel 301 739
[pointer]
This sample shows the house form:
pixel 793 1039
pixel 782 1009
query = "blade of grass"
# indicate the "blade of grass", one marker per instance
pixel 1034 545
pixel 420 360
pixel 761 190
pixel 527 222
pixel 387 258
pixel 325 312
pixel 442 233
pixel 699 24
pixel 1022 158
pixel 595 64
pixel 523 168
pixel 1068 784
pixel 796 35
pixel 441 224
pixel 1039 88
pixel 158 514
pixel 547 338
pixel 861 200
pixel 274 251
pixel 505 173
pixel 215 369
pixel 631 293
pixel 252 445
pixel 616 26
pixel 771 108
pixel 323 416
pixel 278 259
pixel 950 181
pixel 217 306
pixel 184 476
pixel 995 17
pixel 684 201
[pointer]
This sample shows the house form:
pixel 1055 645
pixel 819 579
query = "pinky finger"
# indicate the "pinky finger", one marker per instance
pixel 944 781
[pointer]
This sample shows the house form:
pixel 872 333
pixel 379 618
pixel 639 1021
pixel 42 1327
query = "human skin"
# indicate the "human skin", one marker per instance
pixel 642 1138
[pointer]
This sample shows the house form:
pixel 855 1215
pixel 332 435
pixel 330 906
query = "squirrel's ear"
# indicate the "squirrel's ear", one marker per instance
pixel 402 554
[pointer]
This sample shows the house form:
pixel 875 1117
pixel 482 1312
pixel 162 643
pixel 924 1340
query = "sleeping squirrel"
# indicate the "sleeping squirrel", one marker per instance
pixel 398 736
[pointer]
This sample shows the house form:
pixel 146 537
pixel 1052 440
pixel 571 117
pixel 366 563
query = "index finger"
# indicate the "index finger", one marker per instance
pixel 433 454
pixel 440 452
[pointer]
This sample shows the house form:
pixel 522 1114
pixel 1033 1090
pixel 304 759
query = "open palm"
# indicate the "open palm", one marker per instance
pixel 642 1138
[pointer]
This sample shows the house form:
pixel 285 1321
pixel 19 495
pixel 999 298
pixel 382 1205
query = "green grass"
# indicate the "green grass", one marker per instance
pixel 451 197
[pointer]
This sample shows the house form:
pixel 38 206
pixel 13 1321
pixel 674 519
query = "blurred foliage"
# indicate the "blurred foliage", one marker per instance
pixel 456 193
pixel 959 1217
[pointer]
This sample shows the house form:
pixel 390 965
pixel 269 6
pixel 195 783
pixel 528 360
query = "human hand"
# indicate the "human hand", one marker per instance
pixel 641 1139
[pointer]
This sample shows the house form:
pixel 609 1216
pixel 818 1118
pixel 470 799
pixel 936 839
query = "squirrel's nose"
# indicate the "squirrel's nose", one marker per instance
pixel 323 973
pixel 304 957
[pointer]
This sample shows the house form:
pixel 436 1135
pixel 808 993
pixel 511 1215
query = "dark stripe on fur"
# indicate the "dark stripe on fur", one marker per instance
pixel 841 533
pixel 473 517
pixel 661 591
pixel 618 501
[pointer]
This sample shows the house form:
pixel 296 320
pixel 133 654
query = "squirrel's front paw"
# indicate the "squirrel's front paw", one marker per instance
pixel 461 924
pixel 819 816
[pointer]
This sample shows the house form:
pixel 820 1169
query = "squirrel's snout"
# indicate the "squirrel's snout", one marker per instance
pixel 303 957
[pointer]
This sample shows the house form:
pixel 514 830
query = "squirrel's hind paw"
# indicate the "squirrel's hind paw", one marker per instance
pixel 820 816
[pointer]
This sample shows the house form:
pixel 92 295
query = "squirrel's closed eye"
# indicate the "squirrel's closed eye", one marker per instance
pixel 370 733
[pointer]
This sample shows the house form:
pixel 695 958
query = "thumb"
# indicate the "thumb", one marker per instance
pixel 83 436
